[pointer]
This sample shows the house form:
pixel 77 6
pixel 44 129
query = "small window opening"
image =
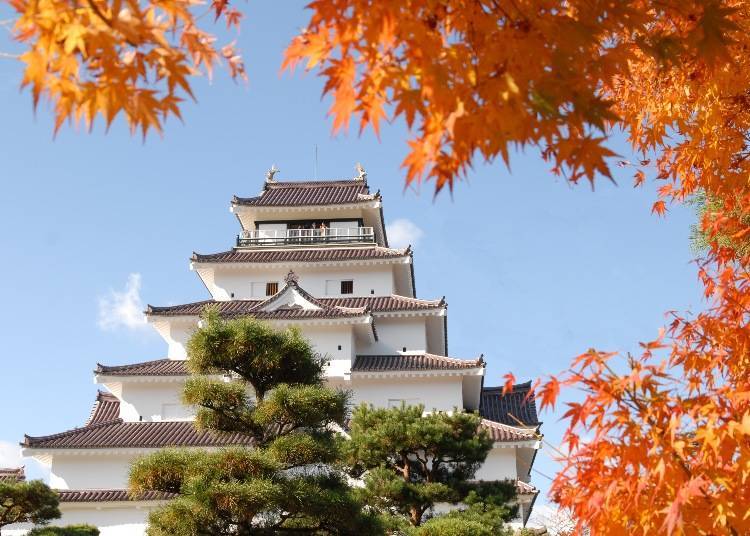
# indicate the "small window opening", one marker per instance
pixel 372 291
pixel 403 349
pixel 272 288
pixel 347 287
pixel 339 347
pixel 232 295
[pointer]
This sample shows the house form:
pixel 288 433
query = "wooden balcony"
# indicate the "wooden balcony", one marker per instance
pixel 305 237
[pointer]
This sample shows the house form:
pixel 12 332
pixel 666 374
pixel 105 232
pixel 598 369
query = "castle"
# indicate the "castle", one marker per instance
pixel 312 254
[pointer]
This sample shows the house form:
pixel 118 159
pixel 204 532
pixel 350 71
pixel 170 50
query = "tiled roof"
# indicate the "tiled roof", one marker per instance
pixel 501 433
pixel 383 304
pixel 110 495
pixel 524 488
pixel 159 367
pixel 119 434
pixel 12 474
pixel 235 308
pixel 383 363
pixel 115 433
pixel 106 408
pixel 248 308
pixel 302 255
pixel 305 193
pixel 498 407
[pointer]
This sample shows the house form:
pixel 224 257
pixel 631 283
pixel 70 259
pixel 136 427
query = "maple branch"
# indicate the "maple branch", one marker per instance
pixel 98 12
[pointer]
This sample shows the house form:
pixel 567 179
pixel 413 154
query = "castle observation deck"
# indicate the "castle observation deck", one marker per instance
pixel 315 213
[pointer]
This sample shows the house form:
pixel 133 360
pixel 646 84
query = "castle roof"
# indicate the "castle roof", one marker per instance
pixel 310 192
pixel 503 433
pixel 157 367
pixel 105 409
pixel 234 308
pixel 12 474
pixel 362 363
pixel 303 255
pixel 107 495
pixel 412 362
pixel 496 406
pixel 119 434
pixel 101 432
pixel 524 488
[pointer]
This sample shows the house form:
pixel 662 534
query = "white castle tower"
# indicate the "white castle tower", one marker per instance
pixel 312 254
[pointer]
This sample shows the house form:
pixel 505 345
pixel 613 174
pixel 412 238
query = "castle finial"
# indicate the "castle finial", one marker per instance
pixel 271 172
pixel 361 173
pixel 291 278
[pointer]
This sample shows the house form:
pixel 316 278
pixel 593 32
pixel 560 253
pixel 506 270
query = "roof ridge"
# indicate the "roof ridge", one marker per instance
pixel 408 298
pixel 152 308
pixel 27 439
pixel 515 429
pixel 516 386
pixel 315 183
pixel 104 368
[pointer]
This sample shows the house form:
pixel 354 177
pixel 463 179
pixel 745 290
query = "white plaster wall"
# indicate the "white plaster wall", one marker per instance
pixel 395 334
pixel 369 280
pixel 177 335
pixel 90 472
pixel 127 520
pixel 436 393
pixel 500 464
pixel 148 400
pixel 327 339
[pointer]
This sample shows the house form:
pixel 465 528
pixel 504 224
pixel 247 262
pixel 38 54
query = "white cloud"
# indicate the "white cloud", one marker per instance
pixel 403 232
pixel 123 309
pixel 10 454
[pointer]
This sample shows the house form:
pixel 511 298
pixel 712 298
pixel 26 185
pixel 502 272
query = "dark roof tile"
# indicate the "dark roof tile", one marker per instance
pixel 116 433
pixel 233 308
pixel 498 407
pixel 306 193
pixel 384 363
pixel 111 495
pixel 12 474
pixel 302 255
pixel 502 433
pixel 119 434
pixel 159 367
pixel 106 408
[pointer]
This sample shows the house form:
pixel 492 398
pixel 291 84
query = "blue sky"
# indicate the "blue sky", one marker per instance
pixel 535 271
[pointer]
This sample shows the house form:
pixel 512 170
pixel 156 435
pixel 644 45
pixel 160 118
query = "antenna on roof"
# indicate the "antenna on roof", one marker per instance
pixel 315 167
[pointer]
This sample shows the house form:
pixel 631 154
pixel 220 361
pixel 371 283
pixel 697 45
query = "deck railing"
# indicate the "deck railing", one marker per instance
pixel 334 235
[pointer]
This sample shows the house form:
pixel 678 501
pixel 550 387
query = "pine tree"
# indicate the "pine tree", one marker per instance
pixel 284 483
pixel 27 502
pixel 409 462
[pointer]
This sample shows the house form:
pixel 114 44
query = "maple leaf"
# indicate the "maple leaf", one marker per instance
pixel 510 380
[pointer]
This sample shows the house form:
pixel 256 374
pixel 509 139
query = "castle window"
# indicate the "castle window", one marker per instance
pixel 347 287
pixel 272 288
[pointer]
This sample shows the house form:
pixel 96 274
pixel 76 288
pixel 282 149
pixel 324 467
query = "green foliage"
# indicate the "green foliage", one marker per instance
pixel 707 210
pixel 68 530
pixel 27 502
pixel 259 354
pixel 410 462
pixel 284 483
